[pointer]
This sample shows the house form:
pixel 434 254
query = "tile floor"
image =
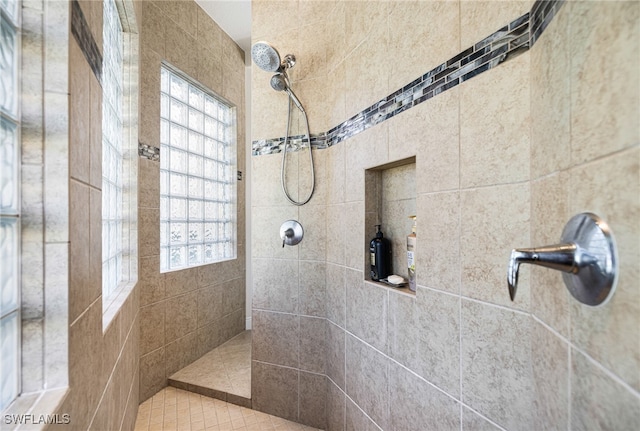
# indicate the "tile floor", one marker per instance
pixel 177 410
pixel 223 373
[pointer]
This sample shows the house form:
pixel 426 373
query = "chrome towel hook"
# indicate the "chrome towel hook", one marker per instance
pixel 587 257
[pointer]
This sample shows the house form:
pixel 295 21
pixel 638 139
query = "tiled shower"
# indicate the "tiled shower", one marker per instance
pixel 513 113
pixel 516 115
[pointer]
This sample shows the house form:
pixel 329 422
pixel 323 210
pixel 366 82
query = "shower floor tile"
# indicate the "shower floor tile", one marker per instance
pixel 223 373
pixel 174 409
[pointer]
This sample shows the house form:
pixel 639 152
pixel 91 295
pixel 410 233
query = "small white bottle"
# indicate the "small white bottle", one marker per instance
pixel 411 257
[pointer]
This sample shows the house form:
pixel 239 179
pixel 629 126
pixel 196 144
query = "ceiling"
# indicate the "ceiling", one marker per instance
pixel 233 16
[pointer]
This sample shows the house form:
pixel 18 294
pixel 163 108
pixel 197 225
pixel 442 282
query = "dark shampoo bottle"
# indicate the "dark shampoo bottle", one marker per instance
pixel 380 255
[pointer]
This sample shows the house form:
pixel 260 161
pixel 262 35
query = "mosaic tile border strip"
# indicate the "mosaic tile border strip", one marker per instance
pixel 542 12
pixel 504 44
pixel 296 143
pixel 84 38
pixel 149 152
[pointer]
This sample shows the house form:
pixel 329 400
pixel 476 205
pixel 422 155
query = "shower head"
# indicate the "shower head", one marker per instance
pixel 265 56
pixel 279 82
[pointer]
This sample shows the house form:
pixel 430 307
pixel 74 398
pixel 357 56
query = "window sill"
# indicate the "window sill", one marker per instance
pixel 36 410
pixel 112 304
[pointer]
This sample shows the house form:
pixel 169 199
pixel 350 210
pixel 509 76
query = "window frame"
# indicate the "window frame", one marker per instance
pixel 231 203
pixel 13 21
pixel 113 300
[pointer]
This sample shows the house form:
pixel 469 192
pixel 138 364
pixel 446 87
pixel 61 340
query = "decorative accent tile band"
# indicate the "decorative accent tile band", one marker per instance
pixel 506 43
pixel 149 152
pixel 84 38
pixel 542 12
pixel 296 143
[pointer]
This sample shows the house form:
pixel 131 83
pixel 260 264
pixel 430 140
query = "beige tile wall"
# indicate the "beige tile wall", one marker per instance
pixel 502 161
pixel 184 314
pixel 95 368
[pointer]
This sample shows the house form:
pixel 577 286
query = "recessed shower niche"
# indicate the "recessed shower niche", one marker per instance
pixel 390 201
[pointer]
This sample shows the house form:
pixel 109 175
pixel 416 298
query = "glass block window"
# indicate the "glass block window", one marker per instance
pixel 197 174
pixel 9 203
pixel 113 153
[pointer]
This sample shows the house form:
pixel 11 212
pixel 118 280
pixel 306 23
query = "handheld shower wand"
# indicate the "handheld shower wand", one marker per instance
pixel 279 82
pixel 267 58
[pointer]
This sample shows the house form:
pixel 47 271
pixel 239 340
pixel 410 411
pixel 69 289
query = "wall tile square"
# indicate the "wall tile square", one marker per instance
pixel 480 18
pixel 335 354
pixel 365 150
pixel 80 104
pixel 274 390
pixel 314 244
pixel 152 373
pixel 150 282
pixel 604 112
pixel 313 289
pixel 367 310
pixel 265 232
pixel 95 133
pixel 181 312
pixel 275 338
pixel 335 408
pixel 413 401
pixel 152 327
pixel 181 281
pixel 610 188
pixel 618 407
pixel 148 232
pixel 550 299
pixel 336 231
pixel 495 131
pixel 403 330
pixel 149 118
pixel 551 86
pixel 152 34
pixel 550 361
pixel 366 77
pixel 473 421
pixel 181 352
pixel 438 339
pixel 313 344
pixel 357 420
pixel 494 221
pixel 275 285
pixel 496 364
pixel 209 304
pixel 313 400
pixel 31 355
pixel 336 294
pixel 336 174
pixel 356 246
pixel 438 255
pixel 82 291
pixel 367 381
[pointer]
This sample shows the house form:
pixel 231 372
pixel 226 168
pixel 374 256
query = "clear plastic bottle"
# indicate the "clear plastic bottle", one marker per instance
pixel 411 255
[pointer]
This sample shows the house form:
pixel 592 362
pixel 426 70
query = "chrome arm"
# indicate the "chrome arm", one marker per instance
pixel 586 255
pixel 561 257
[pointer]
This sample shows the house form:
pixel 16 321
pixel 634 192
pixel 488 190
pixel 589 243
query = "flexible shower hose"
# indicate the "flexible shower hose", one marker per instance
pixel 284 159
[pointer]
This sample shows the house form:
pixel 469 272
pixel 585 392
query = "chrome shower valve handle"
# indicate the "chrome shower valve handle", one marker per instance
pixel 561 257
pixel 291 233
pixel 587 257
